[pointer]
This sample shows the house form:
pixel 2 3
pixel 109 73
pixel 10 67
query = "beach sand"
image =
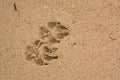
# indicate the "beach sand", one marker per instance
pixel 90 52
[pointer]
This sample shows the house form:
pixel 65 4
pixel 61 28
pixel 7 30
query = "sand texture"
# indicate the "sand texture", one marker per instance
pixel 59 39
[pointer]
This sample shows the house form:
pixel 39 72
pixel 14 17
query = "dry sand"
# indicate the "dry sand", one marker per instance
pixel 90 52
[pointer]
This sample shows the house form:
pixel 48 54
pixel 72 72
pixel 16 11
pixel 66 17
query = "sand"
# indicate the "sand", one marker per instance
pixel 90 52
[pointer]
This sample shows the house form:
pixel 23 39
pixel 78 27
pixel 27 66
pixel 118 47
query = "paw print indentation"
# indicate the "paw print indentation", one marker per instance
pixel 43 50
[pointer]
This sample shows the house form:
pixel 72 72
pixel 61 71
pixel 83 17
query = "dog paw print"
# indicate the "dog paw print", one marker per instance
pixel 43 50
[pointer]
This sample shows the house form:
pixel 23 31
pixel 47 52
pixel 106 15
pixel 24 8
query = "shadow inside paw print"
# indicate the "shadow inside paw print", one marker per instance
pixel 53 24
pixel 40 62
pixel 50 50
pixel 48 58
pixel 43 32
pixel 42 51
pixel 31 50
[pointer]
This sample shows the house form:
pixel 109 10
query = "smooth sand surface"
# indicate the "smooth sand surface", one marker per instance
pixel 90 52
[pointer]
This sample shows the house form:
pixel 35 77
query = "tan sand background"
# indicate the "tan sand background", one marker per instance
pixel 94 26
